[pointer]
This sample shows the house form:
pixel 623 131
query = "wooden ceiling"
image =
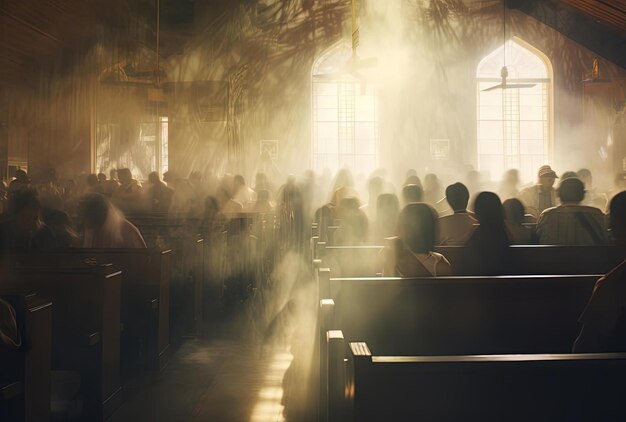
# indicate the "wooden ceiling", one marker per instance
pixel 36 31
pixel 608 12
pixel 33 32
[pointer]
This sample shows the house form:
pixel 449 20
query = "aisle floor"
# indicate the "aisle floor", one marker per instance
pixel 210 380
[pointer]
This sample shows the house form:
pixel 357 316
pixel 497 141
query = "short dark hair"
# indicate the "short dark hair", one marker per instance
pixel 572 189
pixel 457 196
pixel 488 209
pixel 412 193
pixel 417 227
pixel 514 210
pixel 617 210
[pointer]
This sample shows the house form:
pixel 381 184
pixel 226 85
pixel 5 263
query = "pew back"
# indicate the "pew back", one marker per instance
pixel 461 315
pixel 85 325
pixel 500 387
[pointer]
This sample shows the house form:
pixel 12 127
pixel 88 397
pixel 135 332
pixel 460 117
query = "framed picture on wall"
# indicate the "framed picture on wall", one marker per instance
pixel 269 147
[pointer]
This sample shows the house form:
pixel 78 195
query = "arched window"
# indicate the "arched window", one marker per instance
pixel 514 124
pixel 344 113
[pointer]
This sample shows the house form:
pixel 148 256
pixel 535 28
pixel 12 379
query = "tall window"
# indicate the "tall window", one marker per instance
pixel 345 118
pixel 135 146
pixel 514 124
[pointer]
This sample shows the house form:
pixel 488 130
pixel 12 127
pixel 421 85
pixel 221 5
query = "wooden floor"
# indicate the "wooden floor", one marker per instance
pixel 224 379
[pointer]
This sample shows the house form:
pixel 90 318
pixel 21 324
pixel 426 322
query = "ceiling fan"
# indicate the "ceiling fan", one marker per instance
pixel 354 66
pixel 504 72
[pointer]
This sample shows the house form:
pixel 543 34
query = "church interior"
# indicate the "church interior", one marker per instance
pixel 312 210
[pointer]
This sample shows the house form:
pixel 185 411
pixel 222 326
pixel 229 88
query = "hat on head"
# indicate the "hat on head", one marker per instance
pixel 546 171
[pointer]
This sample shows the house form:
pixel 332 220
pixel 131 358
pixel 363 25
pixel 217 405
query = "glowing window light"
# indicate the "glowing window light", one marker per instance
pixel 345 116
pixel 514 125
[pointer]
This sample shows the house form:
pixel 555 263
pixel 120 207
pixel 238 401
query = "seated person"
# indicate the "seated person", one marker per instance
pixel 411 253
pixel 387 212
pixel 489 244
pixel 412 193
pixel 105 226
pixel 514 218
pixel 354 226
pixel 456 229
pixel 23 230
pixel 159 194
pixel 571 223
pixel 604 322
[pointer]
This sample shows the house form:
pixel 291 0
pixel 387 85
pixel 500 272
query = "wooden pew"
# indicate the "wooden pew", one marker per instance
pixel 536 387
pixel 544 259
pixel 25 373
pixel 460 315
pixel 366 261
pixel 180 234
pixel 85 326
pixel 145 296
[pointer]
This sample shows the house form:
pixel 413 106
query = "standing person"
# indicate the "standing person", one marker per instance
pixel 242 193
pixel 411 253
pixel 571 223
pixel 604 322
pixel 541 196
pixel 489 244
pixel 456 229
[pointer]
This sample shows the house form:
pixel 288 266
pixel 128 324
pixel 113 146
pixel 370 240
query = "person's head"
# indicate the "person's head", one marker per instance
pixel 125 176
pixel 431 182
pixel 571 190
pixel 153 178
pixel 91 180
pixel 617 214
pixel 413 180
pixel 568 174
pixel 21 176
pixel 546 176
pixel 387 203
pixel 239 181
pixel 412 193
pixel 488 209
pixel 93 209
pixel 113 174
pixel 511 177
pixel 417 227
pixel 585 175
pixel 261 181
pixel 457 196
pixel 26 209
pixel 410 173
pixel 514 211
pixel 102 177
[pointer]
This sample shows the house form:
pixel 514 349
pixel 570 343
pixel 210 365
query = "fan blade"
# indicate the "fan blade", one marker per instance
pixel 492 88
pixel 516 86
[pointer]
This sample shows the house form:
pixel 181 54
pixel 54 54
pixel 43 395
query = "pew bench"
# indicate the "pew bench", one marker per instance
pixel 145 296
pixel 25 373
pixel 367 261
pixel 535 387
pixel 458 315
pixel 85 327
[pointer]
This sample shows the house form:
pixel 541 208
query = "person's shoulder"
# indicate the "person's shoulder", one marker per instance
pixel 616 275
pixel 590 210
